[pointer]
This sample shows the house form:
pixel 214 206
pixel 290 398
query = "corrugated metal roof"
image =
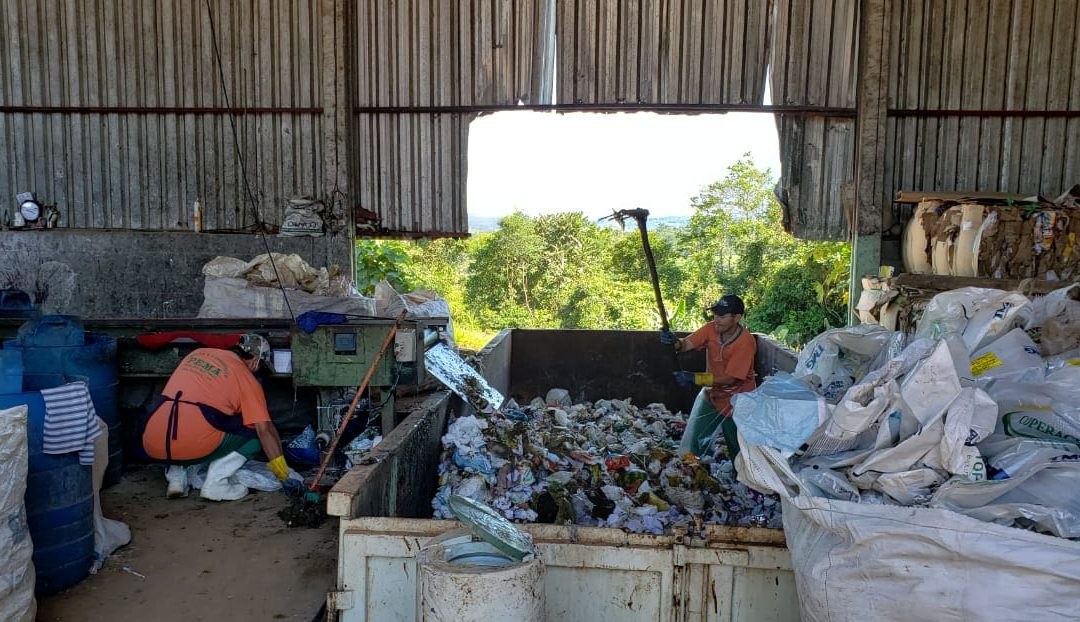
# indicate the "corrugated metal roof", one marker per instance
pixel 115 110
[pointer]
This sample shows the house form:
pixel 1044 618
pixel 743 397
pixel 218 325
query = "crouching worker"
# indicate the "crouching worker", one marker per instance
pixel 213 409
pixel 729 364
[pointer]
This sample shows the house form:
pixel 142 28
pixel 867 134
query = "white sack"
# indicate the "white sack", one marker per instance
pixel 837 358
pixel 16 566
pixel 419 303
pixel 1046 410
pixel 109 534
pixel 780 413
pixel 1013 356
pixel 1009 457
pixel 237 298
pixel 854 423
pixel 1045 494
pixel 909 487
pixel 975 314
pixel 971 417
pixel 856 562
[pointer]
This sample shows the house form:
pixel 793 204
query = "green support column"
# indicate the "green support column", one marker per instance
pixel 865 259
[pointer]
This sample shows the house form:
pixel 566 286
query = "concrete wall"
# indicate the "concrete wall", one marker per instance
pixel 129 274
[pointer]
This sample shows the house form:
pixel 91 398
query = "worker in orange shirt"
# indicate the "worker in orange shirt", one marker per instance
pixel 213 409
pixel 729 369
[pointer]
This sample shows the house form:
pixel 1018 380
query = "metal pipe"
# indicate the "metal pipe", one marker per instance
pixel 946 112
pixel 208 110
pixel 827 111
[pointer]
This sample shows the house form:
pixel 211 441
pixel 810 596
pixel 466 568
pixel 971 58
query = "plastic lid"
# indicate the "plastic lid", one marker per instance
pixel 491 527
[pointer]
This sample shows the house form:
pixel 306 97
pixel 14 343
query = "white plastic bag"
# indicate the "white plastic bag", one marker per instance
pixel 16 567
pixel 782 412
pixel 855 562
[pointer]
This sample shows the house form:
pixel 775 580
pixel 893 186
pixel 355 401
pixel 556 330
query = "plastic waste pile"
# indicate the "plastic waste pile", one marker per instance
pixel 977 412
pixel 607 463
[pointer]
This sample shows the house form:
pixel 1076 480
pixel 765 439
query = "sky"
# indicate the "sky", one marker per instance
pixel 542 162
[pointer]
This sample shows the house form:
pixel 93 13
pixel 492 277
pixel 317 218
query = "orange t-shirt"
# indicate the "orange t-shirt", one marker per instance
pixel 217 378
pixel 735 359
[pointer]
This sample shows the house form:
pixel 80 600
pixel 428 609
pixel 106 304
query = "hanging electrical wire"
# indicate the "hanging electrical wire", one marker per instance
pixel 259 223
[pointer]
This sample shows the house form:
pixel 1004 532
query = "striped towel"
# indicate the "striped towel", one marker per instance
pixel 70 421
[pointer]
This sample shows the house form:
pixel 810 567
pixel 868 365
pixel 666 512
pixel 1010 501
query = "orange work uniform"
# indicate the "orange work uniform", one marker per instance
pixel 215 378
pixel 734 358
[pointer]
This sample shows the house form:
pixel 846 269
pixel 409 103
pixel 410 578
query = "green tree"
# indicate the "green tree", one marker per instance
pixel 505 267
pixel 377 260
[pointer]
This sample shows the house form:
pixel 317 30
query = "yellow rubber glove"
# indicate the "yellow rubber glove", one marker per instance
pixel 279 468
pixel 703 379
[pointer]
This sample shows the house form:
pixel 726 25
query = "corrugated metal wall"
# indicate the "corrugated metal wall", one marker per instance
pixel 437 56
pixel 812 63
pixel 974 55
pixel 114 109
pixel 661 51
pixel 952 66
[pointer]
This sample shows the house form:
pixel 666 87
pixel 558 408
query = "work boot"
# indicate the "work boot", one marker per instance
pixel 221 483
pixel 177 477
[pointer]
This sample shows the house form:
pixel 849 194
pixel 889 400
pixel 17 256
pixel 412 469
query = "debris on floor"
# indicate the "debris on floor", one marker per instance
pixel 607 463
pixel 303 513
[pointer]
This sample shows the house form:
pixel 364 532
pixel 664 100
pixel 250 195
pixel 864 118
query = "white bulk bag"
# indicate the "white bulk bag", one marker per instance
pixel 16 568
pixel 860 562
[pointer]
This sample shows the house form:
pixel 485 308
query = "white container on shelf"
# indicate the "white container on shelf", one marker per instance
pixel 283 361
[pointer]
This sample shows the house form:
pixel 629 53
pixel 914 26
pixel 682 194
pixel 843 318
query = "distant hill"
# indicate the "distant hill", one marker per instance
pixel 483 224
pixel 675 222
pixel 487 224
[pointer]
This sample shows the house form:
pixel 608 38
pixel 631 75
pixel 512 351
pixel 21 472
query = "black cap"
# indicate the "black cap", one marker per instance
pixel 728 304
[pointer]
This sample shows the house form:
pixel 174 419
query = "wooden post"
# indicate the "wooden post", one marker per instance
pixel 870 126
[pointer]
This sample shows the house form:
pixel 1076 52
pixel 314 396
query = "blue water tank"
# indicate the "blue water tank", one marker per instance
pixel 55 350
pixel 59 505
pixel 11 371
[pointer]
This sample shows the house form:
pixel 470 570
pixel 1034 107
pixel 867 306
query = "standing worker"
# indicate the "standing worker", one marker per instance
pixel 729 369
pixel 213 409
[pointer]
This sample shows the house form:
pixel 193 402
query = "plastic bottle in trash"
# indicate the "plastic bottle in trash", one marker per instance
pixel 196 218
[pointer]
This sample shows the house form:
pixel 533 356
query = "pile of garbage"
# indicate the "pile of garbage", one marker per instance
pixel 977 412
pixel 607 463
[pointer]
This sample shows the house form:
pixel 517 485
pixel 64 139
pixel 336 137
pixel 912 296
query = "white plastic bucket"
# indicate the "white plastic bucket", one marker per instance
pixel 463 579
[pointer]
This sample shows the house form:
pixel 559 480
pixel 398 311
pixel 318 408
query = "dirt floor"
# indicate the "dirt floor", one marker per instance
pixel 202 560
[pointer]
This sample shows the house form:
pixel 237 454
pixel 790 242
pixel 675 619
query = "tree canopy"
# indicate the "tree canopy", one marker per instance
pixel 564 271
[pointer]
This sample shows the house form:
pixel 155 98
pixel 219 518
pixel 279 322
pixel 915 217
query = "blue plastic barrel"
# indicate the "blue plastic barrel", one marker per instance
pixel 50 358
pixel 59 505
pixel 11 371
